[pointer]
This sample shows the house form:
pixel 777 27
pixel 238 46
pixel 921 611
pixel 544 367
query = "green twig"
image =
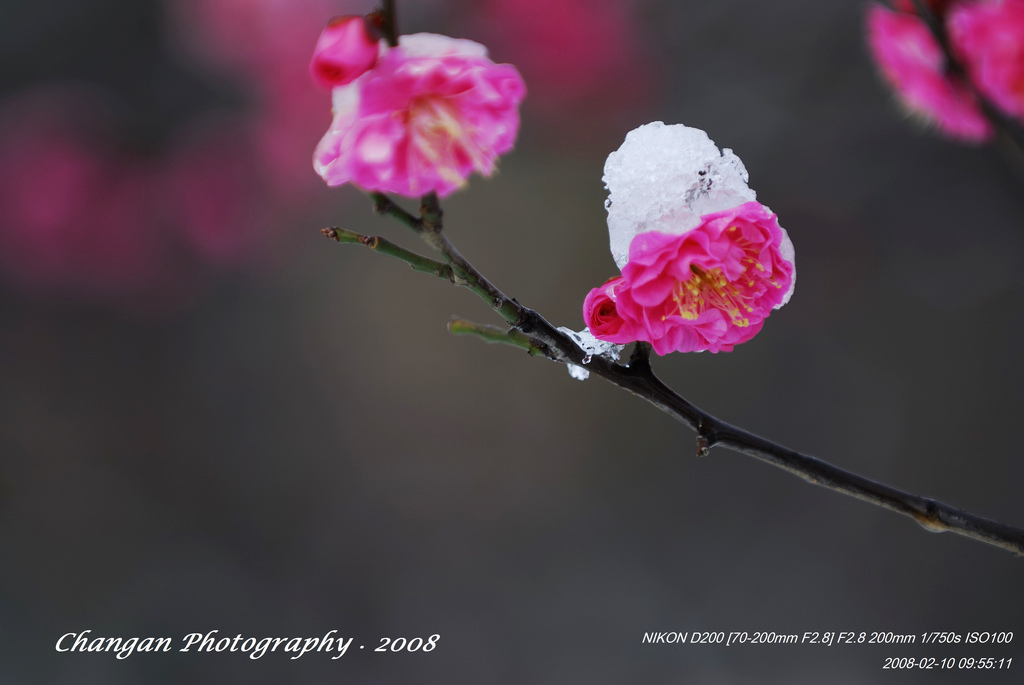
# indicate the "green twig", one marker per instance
pixel 430 212
pixel 496 334
pixel 386 247
pixel 383 205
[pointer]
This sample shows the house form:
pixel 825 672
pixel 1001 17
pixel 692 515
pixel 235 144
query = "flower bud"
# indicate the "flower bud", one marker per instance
pixel 348 47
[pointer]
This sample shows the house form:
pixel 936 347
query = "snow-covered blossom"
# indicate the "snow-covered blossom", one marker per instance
pixel 706 264
pixel 988 38
pixel 429 113
pixel 912 62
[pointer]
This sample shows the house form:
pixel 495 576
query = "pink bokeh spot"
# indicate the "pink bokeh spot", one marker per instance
pixel 989 38
pixel 596 45
pixel 348 47
pixel 911 61
pixel 431 112
pixel 710 288
pixel 254 37
pixel 212 194
pixel 75 211
pixel 265 45
pixel 86 217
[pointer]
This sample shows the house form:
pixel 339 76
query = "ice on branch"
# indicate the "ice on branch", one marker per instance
pixel 593 347
pixel 703 264
pixel 421 119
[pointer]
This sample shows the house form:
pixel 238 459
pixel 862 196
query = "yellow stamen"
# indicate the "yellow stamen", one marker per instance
pixel 440 136
pixel 710 289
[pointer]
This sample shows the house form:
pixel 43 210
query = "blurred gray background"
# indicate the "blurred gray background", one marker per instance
pixel 299 445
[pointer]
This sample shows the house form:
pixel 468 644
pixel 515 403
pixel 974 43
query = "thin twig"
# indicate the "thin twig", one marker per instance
pixel 384 246
pixel 383 205
pixel 496 334
pixel 638 377
pixel 430 212
pixel 428 227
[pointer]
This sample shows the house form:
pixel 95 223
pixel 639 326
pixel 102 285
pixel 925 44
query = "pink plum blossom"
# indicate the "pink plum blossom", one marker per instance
pixel 433 110
pixel 347 48
pixel 709 288
pixel 989 38
pixel 912 62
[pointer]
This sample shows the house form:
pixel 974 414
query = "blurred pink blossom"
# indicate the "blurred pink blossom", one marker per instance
pixel 989 38
pixel 432 111
pixel 83 218
pixel 264 45
pixel 912 62
pixel 709 288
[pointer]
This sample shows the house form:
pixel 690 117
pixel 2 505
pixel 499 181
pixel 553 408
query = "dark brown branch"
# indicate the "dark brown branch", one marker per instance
pixel 638 378
pixel 933 515
pixel 389 24
pixel 641 355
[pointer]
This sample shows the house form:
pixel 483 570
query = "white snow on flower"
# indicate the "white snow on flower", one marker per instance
pixel 436 45
pixel 593 347
pixel 663 178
